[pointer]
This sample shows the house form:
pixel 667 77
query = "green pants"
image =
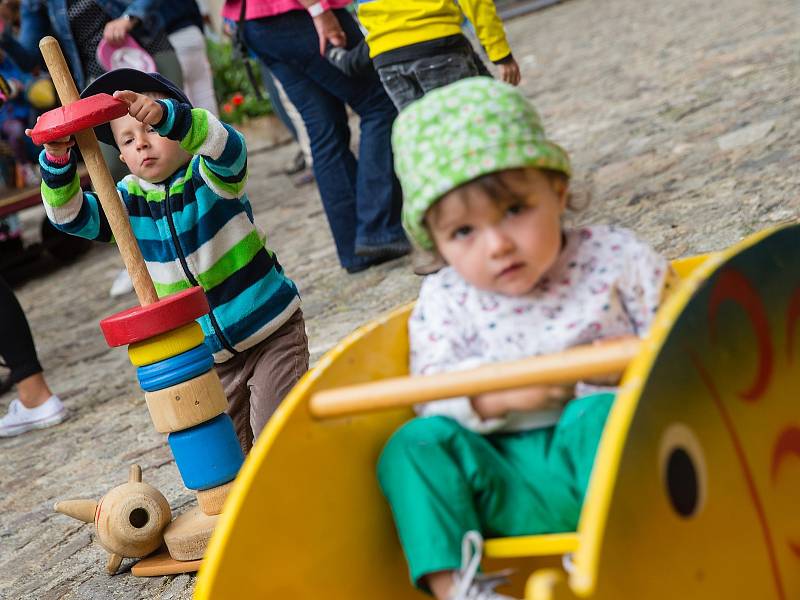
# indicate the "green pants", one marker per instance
pixel 443 480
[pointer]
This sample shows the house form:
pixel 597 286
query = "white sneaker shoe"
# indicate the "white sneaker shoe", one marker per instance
pixel 122 285
pixel 468 583
pixel 20 419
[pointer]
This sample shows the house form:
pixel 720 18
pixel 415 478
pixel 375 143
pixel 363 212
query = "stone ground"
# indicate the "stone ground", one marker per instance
pixel 682 120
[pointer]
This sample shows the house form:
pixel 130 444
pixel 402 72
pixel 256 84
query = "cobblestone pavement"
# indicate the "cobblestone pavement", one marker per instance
pixel 682 120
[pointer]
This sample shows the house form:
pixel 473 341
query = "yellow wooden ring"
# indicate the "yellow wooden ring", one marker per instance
pixel 166 345
pixel 187 404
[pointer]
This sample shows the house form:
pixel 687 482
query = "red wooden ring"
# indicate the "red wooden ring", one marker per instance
pixel 77 116
pixel 143 322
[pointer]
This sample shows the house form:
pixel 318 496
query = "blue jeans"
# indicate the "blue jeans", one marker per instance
pixel 362 199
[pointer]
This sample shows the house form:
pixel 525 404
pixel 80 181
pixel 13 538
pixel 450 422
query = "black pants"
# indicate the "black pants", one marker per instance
pixel 16 343
pixel 410 80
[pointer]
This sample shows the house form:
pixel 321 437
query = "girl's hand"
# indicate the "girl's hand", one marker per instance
pixel 58 147
pixel 141 107
pixel 498 404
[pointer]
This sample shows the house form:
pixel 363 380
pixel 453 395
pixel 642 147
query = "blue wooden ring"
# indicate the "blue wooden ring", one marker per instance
pixel 208 454
pixel 175 369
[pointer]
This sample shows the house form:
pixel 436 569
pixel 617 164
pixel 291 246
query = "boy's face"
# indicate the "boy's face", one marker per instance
pixel 147 154
pixel 504 247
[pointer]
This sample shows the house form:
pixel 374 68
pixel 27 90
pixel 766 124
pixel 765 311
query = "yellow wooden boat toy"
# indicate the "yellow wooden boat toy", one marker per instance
pixel 696 485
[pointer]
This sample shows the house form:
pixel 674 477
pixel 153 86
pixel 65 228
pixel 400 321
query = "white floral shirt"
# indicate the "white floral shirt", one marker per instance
pixel 605 283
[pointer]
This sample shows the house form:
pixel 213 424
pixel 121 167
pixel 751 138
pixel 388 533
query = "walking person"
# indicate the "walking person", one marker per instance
pixel 361 197
pixel 37 407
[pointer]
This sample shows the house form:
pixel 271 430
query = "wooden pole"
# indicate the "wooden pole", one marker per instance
pixel 575 364
pixel 101 178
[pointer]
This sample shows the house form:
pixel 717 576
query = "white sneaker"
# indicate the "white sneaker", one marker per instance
pixel 468 583
pixel 20 419
pixel 122 285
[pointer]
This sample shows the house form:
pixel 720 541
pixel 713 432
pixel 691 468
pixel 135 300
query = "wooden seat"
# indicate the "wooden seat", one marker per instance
pixel 553 544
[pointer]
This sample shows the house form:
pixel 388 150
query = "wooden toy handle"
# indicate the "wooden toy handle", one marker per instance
pixel 575 364
pixel 101 178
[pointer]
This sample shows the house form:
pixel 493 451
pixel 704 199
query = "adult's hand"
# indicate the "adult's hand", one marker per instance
pixel 117 29
pixel 329 30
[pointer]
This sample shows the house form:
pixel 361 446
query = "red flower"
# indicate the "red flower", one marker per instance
pixel 237 99
pixel 228 107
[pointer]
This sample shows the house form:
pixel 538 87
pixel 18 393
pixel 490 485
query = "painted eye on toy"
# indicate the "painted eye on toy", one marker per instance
pixel 683 472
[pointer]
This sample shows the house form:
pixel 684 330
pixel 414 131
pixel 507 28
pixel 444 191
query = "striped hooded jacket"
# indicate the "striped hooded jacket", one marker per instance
pixel 195 228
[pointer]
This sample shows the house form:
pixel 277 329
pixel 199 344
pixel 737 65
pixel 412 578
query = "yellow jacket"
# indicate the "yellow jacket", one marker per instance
pixel 393 24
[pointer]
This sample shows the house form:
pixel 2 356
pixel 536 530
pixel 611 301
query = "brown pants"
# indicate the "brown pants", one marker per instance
pixel 256 381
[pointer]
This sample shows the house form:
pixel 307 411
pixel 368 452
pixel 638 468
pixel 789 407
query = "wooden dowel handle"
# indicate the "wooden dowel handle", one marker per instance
pixel 575 364
pixel 101 179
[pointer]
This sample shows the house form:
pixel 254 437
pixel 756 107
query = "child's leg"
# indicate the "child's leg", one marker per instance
pixel 256 381
pixel 234 376
pixel 576 438
pixel 281 364
pixel 443 480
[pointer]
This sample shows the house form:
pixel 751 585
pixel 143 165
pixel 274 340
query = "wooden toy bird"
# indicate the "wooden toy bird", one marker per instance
pixel 129 520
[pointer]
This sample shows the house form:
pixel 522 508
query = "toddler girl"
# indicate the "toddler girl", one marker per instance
pixel 487 190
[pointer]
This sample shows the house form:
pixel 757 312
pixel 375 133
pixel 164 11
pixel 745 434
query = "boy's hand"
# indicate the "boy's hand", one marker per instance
pixel 509 71
pixel 57 147
pixel 142 108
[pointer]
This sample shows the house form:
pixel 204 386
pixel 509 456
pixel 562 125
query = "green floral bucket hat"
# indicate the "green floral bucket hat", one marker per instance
pixel 462 131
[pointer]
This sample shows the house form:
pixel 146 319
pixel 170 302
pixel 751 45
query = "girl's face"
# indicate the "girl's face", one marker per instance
pixel 501 245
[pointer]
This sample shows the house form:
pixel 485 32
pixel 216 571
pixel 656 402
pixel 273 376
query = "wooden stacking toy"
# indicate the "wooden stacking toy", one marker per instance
pixel 129 520
pixel 166 344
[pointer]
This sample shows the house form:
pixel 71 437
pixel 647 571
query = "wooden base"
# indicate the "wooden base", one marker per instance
pixel 163 564
pixel 188 535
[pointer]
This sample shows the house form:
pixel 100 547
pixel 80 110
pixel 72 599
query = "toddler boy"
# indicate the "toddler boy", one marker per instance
pixel 190 214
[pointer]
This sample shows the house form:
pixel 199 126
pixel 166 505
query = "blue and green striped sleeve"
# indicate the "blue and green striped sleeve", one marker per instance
pixel 222 151
pixel 67 206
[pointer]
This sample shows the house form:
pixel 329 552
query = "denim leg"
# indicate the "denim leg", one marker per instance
pixel 401 88
pixel 361 207
pixel 379 197
pixel 335 167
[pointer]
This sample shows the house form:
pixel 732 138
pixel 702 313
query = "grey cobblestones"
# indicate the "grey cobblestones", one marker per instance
pixel 682 119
